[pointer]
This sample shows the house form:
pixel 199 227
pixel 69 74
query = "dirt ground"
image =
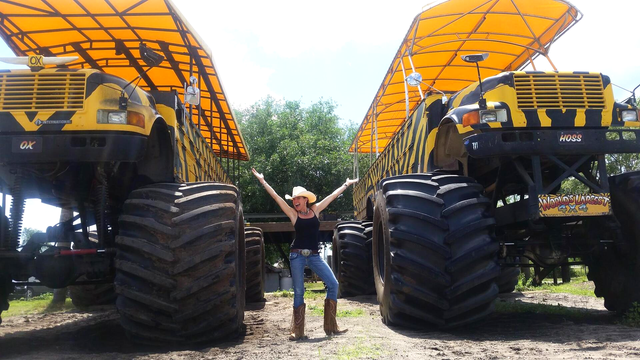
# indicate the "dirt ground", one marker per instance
pixel 97 335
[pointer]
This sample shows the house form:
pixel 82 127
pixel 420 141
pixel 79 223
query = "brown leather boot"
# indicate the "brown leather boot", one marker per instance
pixel 330 323
pixel 297 323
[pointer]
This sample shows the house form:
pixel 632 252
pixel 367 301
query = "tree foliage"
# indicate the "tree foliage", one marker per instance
pixel 27 233
pixel 293 145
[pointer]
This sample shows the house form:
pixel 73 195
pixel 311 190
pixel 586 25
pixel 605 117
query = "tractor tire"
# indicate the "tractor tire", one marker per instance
pixel 352 259
pixel 180 266
pixel 615 271
pixel 254 240
pixel 6 288
pixel 85 296
pixel 434 251
pixel 508 279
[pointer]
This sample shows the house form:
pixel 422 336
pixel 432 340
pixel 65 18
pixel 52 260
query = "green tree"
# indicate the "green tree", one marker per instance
pixel 27 233
pixel 292 146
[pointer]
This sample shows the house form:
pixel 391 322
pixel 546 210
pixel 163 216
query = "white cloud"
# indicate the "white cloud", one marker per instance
pixel 287 30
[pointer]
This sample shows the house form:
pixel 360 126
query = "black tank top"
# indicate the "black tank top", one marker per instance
pixel 307 231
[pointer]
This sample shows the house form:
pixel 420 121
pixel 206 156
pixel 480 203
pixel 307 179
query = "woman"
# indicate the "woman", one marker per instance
pixel 304 251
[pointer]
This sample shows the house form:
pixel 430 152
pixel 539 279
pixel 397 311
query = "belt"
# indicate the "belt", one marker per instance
pixel 305 252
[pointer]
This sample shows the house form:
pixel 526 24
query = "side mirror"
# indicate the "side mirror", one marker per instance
pixel 475 58
pixel 414 79
pixel 150 57
pixel 192 93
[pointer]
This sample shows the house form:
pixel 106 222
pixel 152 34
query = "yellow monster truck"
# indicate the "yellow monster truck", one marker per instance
pixel 467 176
pixel 114 131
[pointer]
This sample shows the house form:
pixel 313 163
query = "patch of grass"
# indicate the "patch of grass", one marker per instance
pixel 350 313
pixel 632 316
pixel 311 286
pixel 283 293
pixel 520 307
pixel 310 295
pixel 36 305
pixel 319 311
pixel 315 310
pixel 575 287
pixel 360 350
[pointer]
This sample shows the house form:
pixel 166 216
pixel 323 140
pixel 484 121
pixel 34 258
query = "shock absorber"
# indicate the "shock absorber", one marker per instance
pixel 17 211
pixel 102 195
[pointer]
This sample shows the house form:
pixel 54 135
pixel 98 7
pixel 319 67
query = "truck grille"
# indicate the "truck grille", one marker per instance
pixel 559 91
pixel 42 91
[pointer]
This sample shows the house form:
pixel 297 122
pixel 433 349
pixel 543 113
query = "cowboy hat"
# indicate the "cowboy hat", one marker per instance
pixel 300 191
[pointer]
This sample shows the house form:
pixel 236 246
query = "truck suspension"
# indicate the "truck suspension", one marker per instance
pixel 17 211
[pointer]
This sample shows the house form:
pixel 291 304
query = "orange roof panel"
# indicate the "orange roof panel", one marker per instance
pixel 105 34
pixel 513 32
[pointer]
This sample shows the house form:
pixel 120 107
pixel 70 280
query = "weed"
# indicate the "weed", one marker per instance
pixel 307 294
pixel 575 287
pixel 316 310
pixel 632 316
pixel 520 307
pixel 360 350
pixel 314 286
pixel 36 305
pixel 319 311
pixel 283 293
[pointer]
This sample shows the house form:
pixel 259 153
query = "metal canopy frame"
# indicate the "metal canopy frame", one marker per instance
pixel 514 32
pixel 105 35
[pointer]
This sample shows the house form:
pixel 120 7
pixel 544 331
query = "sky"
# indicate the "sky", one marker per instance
pixel 340 50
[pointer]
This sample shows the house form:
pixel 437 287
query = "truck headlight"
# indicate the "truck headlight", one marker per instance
pixel 498 115
pixel 629 115
pixel 112 117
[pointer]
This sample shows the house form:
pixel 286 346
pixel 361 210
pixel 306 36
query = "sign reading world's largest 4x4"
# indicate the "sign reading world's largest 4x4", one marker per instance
pixel 574 205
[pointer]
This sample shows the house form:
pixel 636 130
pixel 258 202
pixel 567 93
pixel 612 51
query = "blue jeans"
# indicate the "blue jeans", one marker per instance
pixel 318 266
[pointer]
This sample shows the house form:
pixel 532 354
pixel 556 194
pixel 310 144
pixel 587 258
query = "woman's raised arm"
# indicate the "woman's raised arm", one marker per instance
pixel 288 210
pixel 317 208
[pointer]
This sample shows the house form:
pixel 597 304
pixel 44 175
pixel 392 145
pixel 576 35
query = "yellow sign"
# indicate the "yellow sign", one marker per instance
pixel 36 61
pixel 551 205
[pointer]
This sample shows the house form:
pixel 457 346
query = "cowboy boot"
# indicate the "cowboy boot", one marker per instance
pixel 330 323
pixel 297 323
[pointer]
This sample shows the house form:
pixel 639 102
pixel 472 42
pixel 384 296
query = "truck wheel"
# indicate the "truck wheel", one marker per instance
pixel 434 251
pixel 84 296
pixel 615 271
pixel 508 279
pixel 352 259
pixel 255 264
pixel 180 270
pixel 6 288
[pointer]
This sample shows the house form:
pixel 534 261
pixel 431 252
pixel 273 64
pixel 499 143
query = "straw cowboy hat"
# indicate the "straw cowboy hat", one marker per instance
pixel 300 191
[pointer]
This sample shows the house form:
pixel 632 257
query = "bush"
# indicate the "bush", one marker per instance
pixel 632 316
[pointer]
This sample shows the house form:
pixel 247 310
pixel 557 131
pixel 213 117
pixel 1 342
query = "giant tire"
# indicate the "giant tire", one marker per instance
pixel 434 252
pixel 351 257
pixel 180 271
pixel 254 240
pixel 508 279
pixel 84 296
pixel 616 271
pixel 6 288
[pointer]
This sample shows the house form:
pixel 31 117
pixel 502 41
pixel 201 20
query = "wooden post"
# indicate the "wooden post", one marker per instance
pixel 566 274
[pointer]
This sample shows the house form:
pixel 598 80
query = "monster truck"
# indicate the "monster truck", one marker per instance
pixel 134 164
pixel 467 185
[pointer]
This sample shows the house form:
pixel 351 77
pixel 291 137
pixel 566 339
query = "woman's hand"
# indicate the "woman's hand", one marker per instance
pixel 350 182
pixel 258 175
